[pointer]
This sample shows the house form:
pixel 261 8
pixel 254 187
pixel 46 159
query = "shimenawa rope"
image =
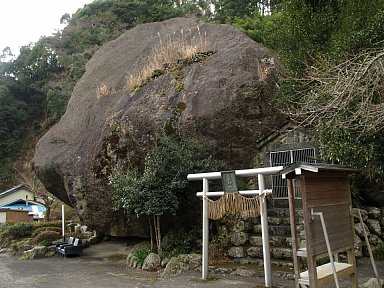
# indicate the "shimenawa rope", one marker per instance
pixel 233 203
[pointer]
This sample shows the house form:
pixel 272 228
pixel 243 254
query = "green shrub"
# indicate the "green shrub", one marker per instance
pixel 47 237
pixel 47 224
pixel 219 246
pixel 4 227
pixel 378 253
pixel 181 242
pixel 141 253
pixel 16 245
pixel 20 230
pixel 45 242
pixel 41 229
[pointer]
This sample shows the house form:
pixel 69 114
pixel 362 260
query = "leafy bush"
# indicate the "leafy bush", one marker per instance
pixel 218 247
pixel 45 242
pixel 20 230
pixel 25 230
pixel 16 246
pixel 47 224
pixel 181 242
pixel 47 237
pixel 378 253
pixel 4 229
pixel 41 229
pixel 5 239
pixel 141 253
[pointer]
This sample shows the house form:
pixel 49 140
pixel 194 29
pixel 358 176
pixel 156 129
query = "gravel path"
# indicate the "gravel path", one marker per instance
pixel 102 266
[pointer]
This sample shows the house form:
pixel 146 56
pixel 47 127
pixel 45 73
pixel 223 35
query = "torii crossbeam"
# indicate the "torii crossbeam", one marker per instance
pixel 259 172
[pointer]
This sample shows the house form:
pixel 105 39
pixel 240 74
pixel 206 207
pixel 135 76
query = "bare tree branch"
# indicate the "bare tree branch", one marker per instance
pixel 349 95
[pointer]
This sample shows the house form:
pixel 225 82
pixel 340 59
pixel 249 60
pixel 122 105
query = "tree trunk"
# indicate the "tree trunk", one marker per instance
pixel 156 222
pixel 151 232
pixel 48 214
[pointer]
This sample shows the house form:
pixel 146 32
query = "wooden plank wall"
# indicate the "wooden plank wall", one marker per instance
pixel 17 216
pixel 328 193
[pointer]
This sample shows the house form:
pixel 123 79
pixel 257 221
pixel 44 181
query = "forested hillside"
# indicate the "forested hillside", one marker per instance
pixel 330 52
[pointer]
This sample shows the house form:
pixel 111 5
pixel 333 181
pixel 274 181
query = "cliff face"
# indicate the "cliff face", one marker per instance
pixel 222 95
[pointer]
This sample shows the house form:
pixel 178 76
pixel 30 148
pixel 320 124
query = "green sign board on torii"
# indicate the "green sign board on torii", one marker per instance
pixel 228 179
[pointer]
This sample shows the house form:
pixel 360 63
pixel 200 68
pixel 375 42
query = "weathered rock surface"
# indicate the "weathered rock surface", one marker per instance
pixel 182 263
pixel 281 253
pixel 35 252
pixel 236 252
pixel 256 240
pixel 358 246
pixel 256 252
pixel 239 238
pixel 223 98
pixel 359 229
pixel 374 212
pixel 374 226
pixel 373 283
pixel 244 272
pixel 242 226
pixel 152 262
pixel 355 213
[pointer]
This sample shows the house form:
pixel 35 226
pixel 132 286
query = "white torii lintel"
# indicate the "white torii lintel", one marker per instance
pixel 242 192
pixel 239 173
pixel 259 172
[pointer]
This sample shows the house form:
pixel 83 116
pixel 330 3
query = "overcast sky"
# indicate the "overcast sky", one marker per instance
pixel 25 21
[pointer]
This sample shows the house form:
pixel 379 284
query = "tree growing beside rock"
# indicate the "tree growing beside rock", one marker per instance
pixel 156 190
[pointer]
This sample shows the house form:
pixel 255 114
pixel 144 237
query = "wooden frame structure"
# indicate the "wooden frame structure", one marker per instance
pixel 259 173
pixel 328 224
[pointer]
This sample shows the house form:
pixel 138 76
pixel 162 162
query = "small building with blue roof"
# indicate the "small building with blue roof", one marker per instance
pixel 20 198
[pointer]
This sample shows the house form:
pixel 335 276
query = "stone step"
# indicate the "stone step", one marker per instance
pixel 259 261
pixel 276 221
pixel 282 212
pixel 274 230
pixel 276 212
pixel 274 241
pixel 277 253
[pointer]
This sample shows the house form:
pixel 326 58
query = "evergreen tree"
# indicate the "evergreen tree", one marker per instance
pixel 163 184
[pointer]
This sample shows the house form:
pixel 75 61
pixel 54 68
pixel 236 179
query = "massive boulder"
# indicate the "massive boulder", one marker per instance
pixel 222 96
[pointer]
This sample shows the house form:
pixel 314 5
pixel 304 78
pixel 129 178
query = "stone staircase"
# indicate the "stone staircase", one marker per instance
pixel 250 250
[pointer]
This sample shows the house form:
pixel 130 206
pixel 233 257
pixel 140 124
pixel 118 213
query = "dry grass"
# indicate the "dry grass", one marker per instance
pixel 176 47
pixel 103 90
pixel 265 69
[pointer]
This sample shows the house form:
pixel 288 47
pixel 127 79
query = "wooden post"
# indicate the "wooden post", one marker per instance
pixel 204 270
pixel 265 234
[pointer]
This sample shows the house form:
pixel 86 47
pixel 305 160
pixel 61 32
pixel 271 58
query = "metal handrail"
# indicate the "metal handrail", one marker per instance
pixel 320 214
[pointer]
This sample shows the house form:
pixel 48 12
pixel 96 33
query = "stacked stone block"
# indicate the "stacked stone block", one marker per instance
pixel 373 222
pixel 246 238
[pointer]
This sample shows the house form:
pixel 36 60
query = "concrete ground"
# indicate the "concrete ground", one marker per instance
pixel 103 265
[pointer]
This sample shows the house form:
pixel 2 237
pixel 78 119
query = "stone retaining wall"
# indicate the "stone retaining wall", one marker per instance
pixel 244 235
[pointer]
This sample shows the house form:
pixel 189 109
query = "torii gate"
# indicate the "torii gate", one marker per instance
pixel 262 192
